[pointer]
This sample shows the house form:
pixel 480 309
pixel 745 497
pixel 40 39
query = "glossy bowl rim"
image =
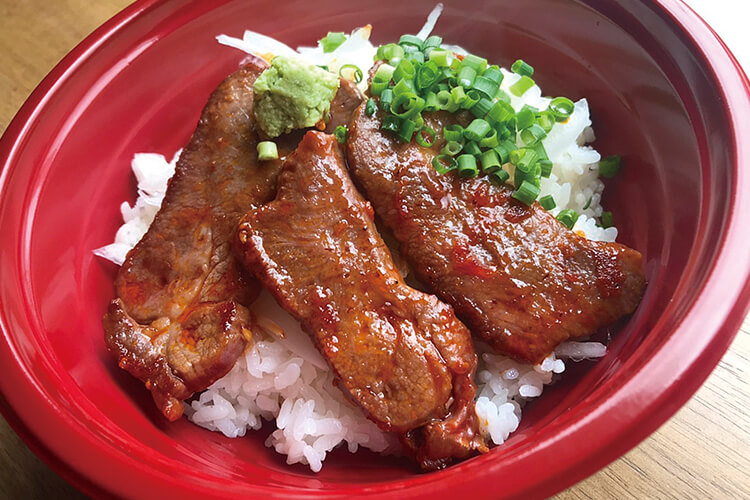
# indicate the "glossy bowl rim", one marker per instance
pixel 682 379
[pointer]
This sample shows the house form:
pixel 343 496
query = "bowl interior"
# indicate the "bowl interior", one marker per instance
pixel 143 93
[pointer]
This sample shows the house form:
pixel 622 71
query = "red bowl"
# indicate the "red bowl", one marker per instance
pixel 664 91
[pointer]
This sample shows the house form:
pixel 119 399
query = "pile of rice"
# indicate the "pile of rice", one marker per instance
pixel 281 377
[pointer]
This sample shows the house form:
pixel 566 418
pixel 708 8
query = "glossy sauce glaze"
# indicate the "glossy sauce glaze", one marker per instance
pixel 516 276
pixel 180 319
pixel 399 353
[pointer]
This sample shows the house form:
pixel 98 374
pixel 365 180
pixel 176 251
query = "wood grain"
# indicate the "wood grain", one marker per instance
pixel 703 452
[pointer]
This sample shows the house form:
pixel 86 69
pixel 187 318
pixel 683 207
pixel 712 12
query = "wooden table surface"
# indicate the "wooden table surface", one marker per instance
pixel 702 452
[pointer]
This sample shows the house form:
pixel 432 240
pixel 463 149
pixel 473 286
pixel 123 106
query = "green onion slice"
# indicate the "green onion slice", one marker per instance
pixel 490 161
pixel 526 193
pixel 439 163
pixel 412 40
pixel 406 130
pixel 340 133
pixel 267 150
pixel 521 86
pixel 546 167
pixel 467 166
pixel 390 52
pixel 452 148
pixel 453 132
pixel 406 105
pixel 561 108
pixel 391 123
pixel 386 98
pixel 606 219
pixel 331 41
pixel 610 165
pixel 427 75
pixel 547 202
pixel 356 73
pixel 477 129
pixel 522 68
pixel 568 218
pixel 370 107
pixel 499 176
pixel 430 140
pixel 440 57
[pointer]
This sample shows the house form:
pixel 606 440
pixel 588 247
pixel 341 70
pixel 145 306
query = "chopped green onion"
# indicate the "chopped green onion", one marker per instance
pixel 391 123
pixel 433 41
pixel 547 202
pixel 406 130
pixel 520 67
pixel 490 161
pixel 477 129
pixel 390 52
pixel 439 57
pixel 467 166
pixel 404 87
pixel 531 175
pixel 444 99
pixel 414 56
pixel 524 117
pixel 404 70
pixel 568 218
pixel 546 167
pixel 472 148
pixel 376 88
pixel 386 98
pixel 457 98
pixel 453 132
pixel 384 73
pixel 371 107
pixel 502 96
pixel 482 107
pixel 610 165
pixel 606 219
pixel 561 108
pixel 267 150
pixel 500 112
pixel 406 105
pixel 466 76
pixel 452 148
pixel 331 41
pixel 490 140
pixel 419 121
pixel 431 102
pixel 356 72
pixel 504 149
pixel 493 73
pixel 340 133
pixel 588 203
pixel 523 158
pixel 472 97
pixel 478 64
pixel 438 163
pixel 526 193
pixel 499 176
pixel 412 40
pixel 546 120
pixel 533 134
pixel 426 143
pixel 541 153
pixel 486 86
pixel 427 75
pixel 521 86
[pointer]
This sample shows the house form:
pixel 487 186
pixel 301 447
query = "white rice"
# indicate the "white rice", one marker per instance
pixel 286 380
